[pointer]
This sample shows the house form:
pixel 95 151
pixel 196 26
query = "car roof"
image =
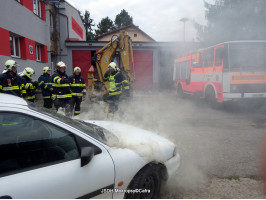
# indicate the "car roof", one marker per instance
pixel 12 99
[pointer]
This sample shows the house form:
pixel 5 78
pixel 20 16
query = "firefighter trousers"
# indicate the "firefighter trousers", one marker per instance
pixel 113 103
pixel 66 103
pixel 47 103
pixel 76 103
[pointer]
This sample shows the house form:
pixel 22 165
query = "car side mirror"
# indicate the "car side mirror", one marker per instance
pixel 87 154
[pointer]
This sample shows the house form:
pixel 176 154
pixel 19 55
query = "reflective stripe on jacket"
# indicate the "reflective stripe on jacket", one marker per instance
pixel 61 89
pixel 45 82
pixel 30 87
pixel 115 82
pixel 77 85
pixel 12 85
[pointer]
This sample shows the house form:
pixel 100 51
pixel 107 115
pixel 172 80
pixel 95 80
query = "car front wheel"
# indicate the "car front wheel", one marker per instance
pixel 146 184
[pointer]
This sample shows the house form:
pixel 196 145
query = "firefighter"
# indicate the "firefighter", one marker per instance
pixel 30 85
pixel 117 85
pixel 77 86
pixel 10 81
pixel 62 94
pixel 45 82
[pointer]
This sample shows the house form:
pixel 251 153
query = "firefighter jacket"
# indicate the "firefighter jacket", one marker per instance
pixel 12 85
pixel 77 85
pixel 45 82
pixel 117 83
pixel 60 83
pixel 30 86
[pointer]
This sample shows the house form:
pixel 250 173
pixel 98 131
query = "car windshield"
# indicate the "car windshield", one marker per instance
pixel 247 56
pixel 92 130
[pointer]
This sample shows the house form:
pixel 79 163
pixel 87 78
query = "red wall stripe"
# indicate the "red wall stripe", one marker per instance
pixel 27 49
pixel 44 56
pixel 76 27
pixel 23 48
pixel 28 4
pixel 5 42
pixel 43 10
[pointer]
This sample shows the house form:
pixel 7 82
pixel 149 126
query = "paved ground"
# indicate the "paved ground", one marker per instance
pixel 215 145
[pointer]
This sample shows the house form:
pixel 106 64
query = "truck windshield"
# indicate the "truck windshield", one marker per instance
pixel 247 56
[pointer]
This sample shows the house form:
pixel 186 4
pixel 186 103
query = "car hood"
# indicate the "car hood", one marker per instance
pixel 145 143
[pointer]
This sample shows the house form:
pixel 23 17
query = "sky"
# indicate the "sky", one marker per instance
pixel 159 19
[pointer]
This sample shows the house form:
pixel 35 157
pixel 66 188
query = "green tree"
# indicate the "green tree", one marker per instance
pixel 123 19
pixel 88 24
pixel 104 26
pixel 233 20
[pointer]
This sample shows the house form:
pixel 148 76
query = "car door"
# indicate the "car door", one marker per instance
pixel 40 159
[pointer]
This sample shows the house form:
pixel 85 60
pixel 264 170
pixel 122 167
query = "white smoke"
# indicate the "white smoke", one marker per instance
pixel 154 112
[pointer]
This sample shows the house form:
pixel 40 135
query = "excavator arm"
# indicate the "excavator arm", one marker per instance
pixel 121 45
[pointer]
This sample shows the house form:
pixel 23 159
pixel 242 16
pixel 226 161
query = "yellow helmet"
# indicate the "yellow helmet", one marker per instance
pixel 112 65
pixel 77 69
pixel 28 72
pixel 45 69
pixel 10 63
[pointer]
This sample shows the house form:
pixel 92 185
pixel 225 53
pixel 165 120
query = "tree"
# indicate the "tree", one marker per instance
pixel 104 26
pixel 88 24
pixel 233 20
pixel 123 19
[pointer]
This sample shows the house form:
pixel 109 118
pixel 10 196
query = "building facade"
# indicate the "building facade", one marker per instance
pixel 33 32
pixel 24 33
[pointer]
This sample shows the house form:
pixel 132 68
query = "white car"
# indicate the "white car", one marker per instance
pixel 45 155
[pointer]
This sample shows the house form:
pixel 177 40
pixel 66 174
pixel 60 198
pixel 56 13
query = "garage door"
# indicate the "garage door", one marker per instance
pixel 143 62
pixel 83 60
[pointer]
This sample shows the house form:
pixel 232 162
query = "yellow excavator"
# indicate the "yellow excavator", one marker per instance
pixel 119 49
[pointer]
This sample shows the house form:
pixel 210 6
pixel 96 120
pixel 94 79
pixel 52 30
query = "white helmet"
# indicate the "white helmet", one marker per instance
pixel 60 64
pixel 28 72
pixel 9 64
pixel 112 65
pixel 77 69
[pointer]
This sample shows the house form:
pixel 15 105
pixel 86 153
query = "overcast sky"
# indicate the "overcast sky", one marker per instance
pixel 158 19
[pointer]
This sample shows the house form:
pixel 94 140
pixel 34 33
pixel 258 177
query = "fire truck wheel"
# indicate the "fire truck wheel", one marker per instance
pixel 180 92
pixel 211 98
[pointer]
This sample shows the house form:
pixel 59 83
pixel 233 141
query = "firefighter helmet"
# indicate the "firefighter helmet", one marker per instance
pixel 60 64
pixel 112 65
pixel 45 69
pixel 10 63
pixel 77 69
pixel 28 72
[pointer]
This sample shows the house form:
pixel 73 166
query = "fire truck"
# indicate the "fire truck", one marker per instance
pixel 231 71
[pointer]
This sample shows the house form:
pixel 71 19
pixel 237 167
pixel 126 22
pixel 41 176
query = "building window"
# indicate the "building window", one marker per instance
pixel 135 35
pixel 37 7
pixel 14 46
pixel 38 52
